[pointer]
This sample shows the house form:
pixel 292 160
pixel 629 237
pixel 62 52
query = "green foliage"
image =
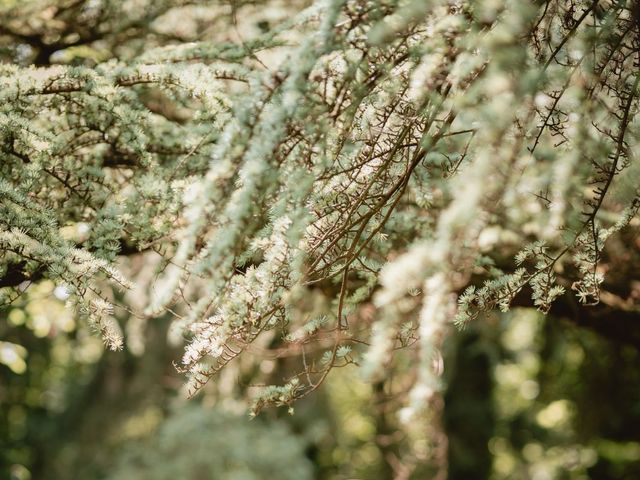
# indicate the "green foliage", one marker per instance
pixel 199 443
pixel 393 156
pixel 539 402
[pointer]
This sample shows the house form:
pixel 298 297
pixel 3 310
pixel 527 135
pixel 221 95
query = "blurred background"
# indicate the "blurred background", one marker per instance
pixel 527 397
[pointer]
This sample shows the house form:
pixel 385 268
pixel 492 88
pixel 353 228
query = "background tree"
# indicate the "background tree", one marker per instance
pixel 325 185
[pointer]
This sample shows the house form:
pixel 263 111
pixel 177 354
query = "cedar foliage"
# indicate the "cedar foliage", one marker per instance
pixel 426 160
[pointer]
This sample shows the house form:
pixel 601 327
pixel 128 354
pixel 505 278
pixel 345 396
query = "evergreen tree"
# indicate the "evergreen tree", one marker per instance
pixel 344 185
